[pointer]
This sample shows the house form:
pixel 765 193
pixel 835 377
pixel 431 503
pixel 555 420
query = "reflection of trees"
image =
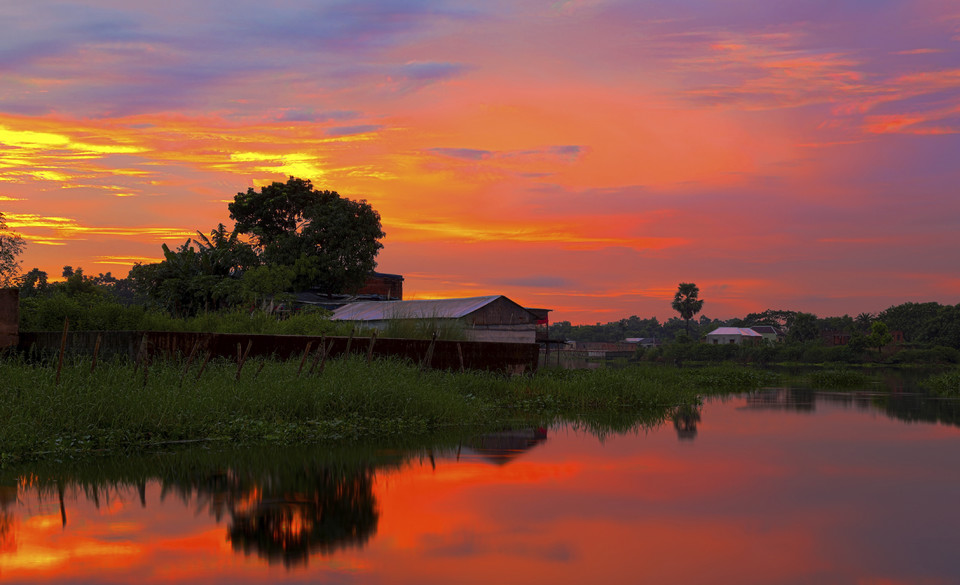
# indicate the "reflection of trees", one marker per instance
pixel 8 537
pixel 920 408
pixel 685 419
pixel 280 506
pixel 335 511
pixel 797 399
pixel 898 405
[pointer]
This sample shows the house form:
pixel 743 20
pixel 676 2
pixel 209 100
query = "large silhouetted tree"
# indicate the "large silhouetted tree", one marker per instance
pixel 686 302
pixel 330 242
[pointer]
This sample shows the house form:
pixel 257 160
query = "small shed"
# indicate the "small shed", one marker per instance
pixel 726 335
pixel 489 318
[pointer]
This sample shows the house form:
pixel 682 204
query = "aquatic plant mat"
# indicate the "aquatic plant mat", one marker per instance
pixel 57 410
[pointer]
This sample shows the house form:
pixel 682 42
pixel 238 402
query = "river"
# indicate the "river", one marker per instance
pixel 777 486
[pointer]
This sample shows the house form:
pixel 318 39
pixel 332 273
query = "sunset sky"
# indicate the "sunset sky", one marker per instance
pixel 580 156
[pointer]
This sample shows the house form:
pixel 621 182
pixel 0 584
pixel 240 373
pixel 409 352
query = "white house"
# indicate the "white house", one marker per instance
pixel 725 335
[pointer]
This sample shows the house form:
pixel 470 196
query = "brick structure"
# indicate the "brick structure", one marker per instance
pixel 387 286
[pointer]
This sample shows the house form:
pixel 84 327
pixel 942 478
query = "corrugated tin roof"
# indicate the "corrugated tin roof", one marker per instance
pixel 735 331
pixel 426 309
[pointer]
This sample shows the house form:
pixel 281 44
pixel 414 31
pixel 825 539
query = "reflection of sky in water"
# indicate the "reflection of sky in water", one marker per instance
pixel 765 492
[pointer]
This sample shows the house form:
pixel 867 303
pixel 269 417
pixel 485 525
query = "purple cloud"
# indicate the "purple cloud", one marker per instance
pixel 462 153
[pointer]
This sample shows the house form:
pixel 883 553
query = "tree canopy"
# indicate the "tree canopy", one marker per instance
pixel 330 242
pixel 686 302
pixel 11 246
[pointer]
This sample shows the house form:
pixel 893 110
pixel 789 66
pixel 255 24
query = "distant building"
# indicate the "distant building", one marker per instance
pixel 727 335
pixel 388 287
pixel 489 318
pixel 833 338
pixel 769 332
pixel 643 341
pixel 378 287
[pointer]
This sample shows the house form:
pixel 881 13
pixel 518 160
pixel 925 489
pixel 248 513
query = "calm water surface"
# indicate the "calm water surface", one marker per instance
pixel 780 486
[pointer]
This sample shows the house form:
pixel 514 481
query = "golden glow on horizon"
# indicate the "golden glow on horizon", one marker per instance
pixel 127 261
pixel 532 234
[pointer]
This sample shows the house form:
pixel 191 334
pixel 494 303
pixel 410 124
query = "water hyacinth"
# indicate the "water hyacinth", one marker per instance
pixel 128 405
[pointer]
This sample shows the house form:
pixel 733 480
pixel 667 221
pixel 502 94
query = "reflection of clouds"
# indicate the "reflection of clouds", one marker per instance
pixel 463 543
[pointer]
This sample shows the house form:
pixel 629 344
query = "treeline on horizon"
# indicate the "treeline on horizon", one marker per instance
pixel 927 324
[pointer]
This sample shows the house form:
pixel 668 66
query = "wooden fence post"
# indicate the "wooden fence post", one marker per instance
pixel 303 360
pixel 373 339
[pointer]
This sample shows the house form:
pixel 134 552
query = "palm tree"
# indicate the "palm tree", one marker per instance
pixel 686 302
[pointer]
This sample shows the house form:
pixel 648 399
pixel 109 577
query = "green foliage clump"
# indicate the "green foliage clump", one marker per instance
pixel 838 379
pixel 94 311
pixel 928 355
pixel 946 384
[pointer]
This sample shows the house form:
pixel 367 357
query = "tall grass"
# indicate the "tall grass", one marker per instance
pixel 48 314
pixel 425 328
pixel 120 405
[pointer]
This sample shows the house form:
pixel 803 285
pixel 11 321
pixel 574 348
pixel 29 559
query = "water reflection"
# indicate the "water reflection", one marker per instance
pixel 685 419
pixel 779 486
pixel 281 506
pixel 900 405
pixel 281 523
pixel 503 446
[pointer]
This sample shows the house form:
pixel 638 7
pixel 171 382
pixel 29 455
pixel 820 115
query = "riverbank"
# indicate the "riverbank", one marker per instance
pixel 82 409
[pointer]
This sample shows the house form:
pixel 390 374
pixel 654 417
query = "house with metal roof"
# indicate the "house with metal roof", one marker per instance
pixel 725 335
pixel 489 318
pixel 769 332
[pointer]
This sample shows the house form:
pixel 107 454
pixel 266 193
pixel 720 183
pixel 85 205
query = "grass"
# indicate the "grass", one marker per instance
pixel 121 407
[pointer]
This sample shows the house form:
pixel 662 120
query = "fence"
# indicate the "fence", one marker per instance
pixel 452 355
pixel 9 316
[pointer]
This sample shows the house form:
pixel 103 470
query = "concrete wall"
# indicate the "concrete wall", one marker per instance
pixel 9 316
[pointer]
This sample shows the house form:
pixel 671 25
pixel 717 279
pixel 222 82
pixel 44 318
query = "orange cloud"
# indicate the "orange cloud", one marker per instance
pixel 66 229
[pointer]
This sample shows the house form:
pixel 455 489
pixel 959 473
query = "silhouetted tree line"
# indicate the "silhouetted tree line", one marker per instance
pixel 923 325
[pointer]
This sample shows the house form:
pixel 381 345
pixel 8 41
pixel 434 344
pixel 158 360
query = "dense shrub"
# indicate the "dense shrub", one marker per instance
pixel 93 312
pixel 930 355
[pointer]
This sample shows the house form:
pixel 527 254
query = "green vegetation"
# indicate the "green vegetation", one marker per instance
pixel 923 326
pixel 122 406
pixel 289 238
pixel 11 246
pixel 98 312
pixel 946 384
pixel 326 241
pixel 839 379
